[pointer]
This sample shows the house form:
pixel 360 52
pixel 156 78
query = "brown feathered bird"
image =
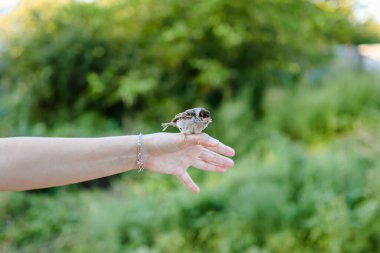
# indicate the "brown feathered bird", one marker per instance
pixel 191 121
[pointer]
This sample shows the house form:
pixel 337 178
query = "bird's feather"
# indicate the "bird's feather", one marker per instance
pixel 166 125
pixel 188 114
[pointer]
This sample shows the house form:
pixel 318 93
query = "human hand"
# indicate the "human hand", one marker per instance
pixel 173 154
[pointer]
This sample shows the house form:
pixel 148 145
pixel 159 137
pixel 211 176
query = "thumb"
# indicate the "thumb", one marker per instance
pixel 188 182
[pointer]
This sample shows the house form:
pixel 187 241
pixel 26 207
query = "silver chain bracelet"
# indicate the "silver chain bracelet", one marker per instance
pixel 139 161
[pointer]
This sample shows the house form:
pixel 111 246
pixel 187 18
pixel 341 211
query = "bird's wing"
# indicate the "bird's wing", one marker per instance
pixel 188 114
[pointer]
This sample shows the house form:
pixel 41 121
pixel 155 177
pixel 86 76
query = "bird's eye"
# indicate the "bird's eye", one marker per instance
pixel 204 114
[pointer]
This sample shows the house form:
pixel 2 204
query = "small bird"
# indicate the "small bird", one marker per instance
pixel 191 121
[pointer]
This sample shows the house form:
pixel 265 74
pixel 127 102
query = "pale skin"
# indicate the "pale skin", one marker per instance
pixel 35 162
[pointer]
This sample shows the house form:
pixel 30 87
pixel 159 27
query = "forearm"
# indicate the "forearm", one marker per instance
pixel 31 163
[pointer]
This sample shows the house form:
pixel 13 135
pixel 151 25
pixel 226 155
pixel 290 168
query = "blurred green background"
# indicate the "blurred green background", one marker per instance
pixel 287 89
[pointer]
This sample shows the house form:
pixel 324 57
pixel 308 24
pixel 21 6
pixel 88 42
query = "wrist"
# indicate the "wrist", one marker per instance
pixel 145 151
pixel 141 151
pixel 139 156
pixel 125 151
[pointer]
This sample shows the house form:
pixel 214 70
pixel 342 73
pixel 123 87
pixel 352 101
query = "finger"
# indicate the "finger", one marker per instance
pixel 202 165
pixel 202 139
pixel 210 143
pixel 212 157
pixel 188 182
pixel 222 149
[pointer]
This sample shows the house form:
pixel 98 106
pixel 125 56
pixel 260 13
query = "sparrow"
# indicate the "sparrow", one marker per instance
pixel 191 121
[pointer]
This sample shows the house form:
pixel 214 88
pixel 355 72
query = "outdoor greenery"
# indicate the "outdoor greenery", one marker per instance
pixel 307 170
pixel 121 59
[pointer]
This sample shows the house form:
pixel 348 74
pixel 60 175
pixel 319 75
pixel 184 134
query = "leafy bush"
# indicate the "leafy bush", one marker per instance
pixel 307 172
pixel 291 200
pixel 132 60
pixel 283 195
pixel 351 98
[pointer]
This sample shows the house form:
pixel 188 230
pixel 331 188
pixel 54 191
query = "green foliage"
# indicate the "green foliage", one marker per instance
pixel 131 59
pixel 347 100
pixel 307 171
pixel 284 195
pixel 292 201
pixel 367 32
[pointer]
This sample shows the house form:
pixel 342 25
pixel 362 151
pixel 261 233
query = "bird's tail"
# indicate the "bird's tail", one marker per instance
pixel 166 125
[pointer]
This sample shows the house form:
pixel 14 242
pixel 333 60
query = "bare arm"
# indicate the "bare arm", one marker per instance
pixel 32 162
